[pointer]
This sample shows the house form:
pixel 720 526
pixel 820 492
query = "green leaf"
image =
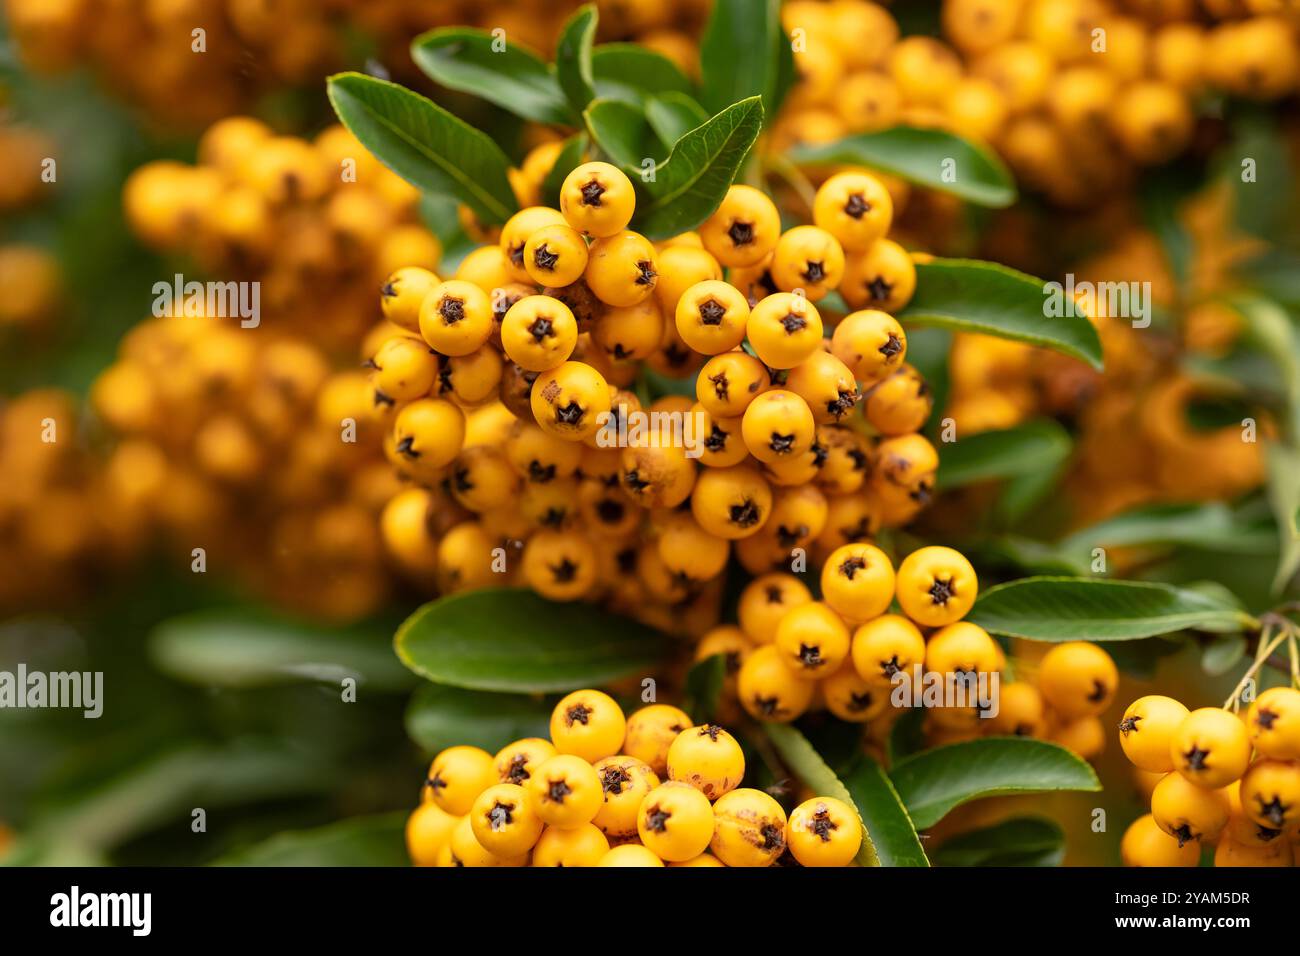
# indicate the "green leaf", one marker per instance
pixel 1211 525
pixel 884 815
pixel 1024 841
pixel 928 351
pixel 1023 492
pixel 973 296
pixel 1095 609
pixel 439 214
pixel 691 183
pixel 1222 654
pixel 424 144
pixel 672 115
pixel 936 781
pixel 657 385
pixel 358 841
pixel 1273 272
pixel 514 78
pixel 1035 447
pixel 621 130
pixel 1283 462
pixel 1161 195
pixel 440 716
pixel 924 157
pixel 1274 333
pixel 785 77
pixel 166 785
pixel 51 851
pixel 907 735
pixel 740 53
pixel 628 72
pixel 703 688
pixel 575 147
pixel 1140 659
pixel 805 763
pixel 1260 204
pixel 1025 554
pixel 239 647
pixel 512 640
pixel 573 57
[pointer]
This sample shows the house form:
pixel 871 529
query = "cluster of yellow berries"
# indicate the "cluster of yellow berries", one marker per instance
pixel 1073 93
pixel 234 434
pixel 648 790
pixel 1061 698
pixel 847 654
pixel 23 151
pixel 31 287
pixel 244 443
pixel 64 521
pixel 510 389
pixel 30 277
pixel 1224 780
pixel 191 62
pixel 1136 442
pixel 317 223
pixel 185 62
pixel 1145 394
pixel 1071 75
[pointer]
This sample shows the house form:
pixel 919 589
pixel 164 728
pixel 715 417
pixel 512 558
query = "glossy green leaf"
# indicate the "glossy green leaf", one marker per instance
pixel 1032 448
pixel 884 815
pixel 629 72
pixel 804 762
pixel 511 76
pixel 691 183
pixel 703 688
pixel 424 144
pixel 936 781
pixel 672 115
pixel 740 53
pixel 513 640
pixel 932 158
pixel 1095 609
pixel 1023 841
pixel 573 57
pixel 359 841
pixel 571 155
pixel 968 295
pixel 238 647
pixel 439 716
pixel 1283 462
pixel 621 130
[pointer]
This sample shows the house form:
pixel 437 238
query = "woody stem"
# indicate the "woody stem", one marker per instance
pixel 1268 644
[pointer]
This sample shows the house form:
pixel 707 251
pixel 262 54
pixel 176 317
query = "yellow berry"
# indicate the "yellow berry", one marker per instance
pixel 824 831
pixel 589 724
